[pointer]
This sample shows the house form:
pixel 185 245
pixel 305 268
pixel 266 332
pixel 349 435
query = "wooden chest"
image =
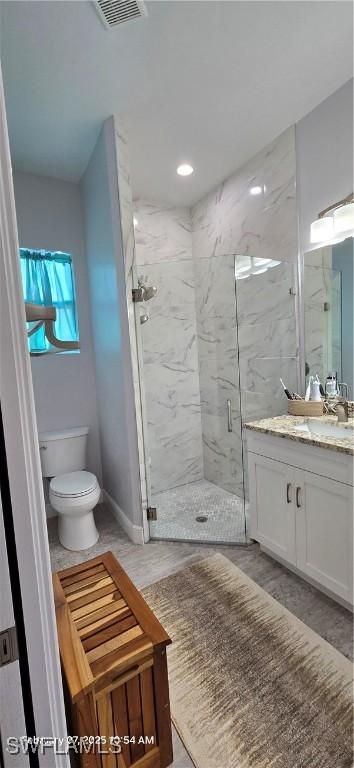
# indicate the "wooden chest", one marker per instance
pixel 113 654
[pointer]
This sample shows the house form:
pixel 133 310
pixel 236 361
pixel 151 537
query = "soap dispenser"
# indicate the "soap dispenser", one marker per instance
pixel 332 384
pixel 315 390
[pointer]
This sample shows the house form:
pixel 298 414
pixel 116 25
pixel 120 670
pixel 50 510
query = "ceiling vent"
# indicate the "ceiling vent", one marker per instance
pixel 115 12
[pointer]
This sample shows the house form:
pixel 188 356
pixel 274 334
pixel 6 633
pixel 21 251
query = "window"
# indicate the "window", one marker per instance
pixel 47 279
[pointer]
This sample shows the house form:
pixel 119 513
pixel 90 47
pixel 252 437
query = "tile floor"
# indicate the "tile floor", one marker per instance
pixel 178 508
pixel 158 559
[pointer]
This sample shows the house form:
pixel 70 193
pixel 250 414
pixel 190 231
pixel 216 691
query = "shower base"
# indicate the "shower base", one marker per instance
pixel 178 509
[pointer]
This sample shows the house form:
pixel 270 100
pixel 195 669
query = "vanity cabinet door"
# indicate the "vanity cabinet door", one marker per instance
pixel 272 505
pixel 324 532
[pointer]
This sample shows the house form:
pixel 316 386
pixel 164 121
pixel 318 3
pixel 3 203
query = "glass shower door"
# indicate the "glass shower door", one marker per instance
pixel 220 333
pixel 220 393
pixel 192 416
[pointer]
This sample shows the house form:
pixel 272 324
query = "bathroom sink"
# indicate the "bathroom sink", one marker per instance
pixel 326 430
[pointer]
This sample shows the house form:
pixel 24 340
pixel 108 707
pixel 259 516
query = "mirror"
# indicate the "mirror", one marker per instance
pixel 328 312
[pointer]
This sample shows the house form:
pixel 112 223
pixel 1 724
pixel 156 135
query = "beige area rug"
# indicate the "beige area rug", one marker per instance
pixel 251 686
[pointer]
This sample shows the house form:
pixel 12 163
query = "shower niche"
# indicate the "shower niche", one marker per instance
pixel 220 332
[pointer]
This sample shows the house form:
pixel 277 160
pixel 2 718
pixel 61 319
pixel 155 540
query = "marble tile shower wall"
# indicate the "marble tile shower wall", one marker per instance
pixel 170 347
pixel 267 337
pixel 229 222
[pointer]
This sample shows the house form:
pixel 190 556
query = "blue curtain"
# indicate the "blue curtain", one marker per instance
pixel 47 279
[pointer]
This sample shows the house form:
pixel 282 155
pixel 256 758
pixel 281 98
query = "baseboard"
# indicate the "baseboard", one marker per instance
pixel 135 532
pixel 305 577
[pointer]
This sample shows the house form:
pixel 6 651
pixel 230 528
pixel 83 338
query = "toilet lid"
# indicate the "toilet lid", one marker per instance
pixel 73 484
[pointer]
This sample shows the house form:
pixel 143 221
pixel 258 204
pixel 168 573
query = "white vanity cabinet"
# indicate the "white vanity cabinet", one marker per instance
pixel 324 538
pixel 301 509
pixel 272 505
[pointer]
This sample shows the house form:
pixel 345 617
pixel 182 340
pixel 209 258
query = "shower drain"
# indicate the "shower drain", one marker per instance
pixel 201 518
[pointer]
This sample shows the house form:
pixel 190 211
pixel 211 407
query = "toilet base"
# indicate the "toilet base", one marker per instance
pixel 77 532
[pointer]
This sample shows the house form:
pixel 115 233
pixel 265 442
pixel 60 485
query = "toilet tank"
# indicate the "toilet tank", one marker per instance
pixel 63 451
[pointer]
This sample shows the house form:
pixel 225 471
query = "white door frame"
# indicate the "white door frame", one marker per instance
pixel 27 500
pixel 12 717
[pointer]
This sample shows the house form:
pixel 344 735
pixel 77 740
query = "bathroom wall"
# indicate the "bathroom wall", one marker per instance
pixel 115 392
pixel 49 216
pixel 230 222
pixel 324 156
pixel 169 346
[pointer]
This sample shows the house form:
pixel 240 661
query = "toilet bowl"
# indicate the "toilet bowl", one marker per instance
pixel 73 496
pixel 73 492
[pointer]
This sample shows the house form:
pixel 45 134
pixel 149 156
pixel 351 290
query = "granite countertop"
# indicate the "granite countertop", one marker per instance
pixel 285 426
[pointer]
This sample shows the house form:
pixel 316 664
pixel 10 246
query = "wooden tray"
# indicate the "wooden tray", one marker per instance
pixel 305 407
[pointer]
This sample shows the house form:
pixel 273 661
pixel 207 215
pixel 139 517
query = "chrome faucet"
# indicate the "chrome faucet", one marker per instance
pixel 342 409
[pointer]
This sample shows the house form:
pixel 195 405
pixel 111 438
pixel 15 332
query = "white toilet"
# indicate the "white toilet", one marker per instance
pixel 73 492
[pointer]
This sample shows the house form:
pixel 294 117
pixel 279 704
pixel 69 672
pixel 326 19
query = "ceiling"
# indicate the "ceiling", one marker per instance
pixel 210 83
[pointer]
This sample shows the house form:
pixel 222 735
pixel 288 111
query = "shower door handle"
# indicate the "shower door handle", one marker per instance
pixel 229 416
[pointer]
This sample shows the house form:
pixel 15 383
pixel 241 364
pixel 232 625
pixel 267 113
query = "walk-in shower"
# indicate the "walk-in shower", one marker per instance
pixel 221 332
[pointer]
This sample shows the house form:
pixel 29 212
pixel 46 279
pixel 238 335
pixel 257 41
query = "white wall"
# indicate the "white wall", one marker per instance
pixel 115 392
pixel 49 216
pixel 324 158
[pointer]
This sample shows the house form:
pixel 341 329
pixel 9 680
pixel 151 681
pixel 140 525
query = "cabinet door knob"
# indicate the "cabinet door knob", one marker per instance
pixel 298 497
pixel 288 499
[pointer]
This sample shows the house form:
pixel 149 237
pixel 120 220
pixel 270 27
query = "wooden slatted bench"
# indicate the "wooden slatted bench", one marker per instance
pixel 113 654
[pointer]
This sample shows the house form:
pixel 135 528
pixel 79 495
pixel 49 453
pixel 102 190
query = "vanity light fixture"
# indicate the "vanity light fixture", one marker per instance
pixel 335 223
pixel 322 230
pixel 185 169
pixel 343 219
pixel 135 221
pixel 257 190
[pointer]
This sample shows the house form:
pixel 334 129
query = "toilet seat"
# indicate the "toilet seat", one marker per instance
pixel 73 485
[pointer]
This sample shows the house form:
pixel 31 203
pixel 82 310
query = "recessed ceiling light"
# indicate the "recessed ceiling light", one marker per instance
pixel 256 190
pixel 185 169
